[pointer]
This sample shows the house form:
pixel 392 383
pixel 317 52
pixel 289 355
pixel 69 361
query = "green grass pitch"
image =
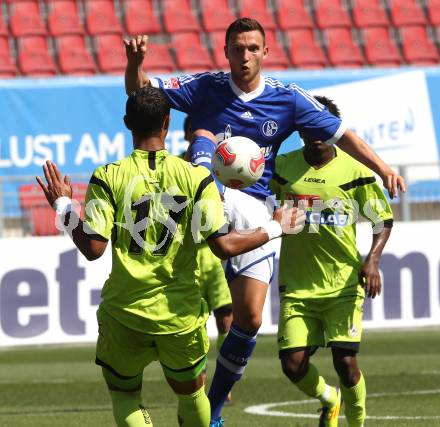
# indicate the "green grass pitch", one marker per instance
pixel 61 386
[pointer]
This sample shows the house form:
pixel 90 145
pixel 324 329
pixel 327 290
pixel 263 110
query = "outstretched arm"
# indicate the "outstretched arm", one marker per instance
pixel 135 49
pixel 357 148
pixel 58 192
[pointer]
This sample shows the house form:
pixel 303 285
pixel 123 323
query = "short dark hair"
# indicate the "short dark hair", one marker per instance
pixel 145 111
pixel 329 104
pixel 243 25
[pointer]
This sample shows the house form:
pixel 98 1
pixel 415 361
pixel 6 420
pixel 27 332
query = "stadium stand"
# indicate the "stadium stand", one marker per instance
pixel 110 53
pixel 139 17
pixel 73 56
pixel 342 51
pixel 380 49
pixel 178 17
pixel 63 18
pixel 284 20
pixel 101 17
pixel 369 13
pixel 7 67
pixel 215 15
pixel 291 14
pixel 25 19
pixel 34 58
pixel 257 9
pixel 304 51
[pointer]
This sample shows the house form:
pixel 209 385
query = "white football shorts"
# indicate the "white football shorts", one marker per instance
pixel 246 212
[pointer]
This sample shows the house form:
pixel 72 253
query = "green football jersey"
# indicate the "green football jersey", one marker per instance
pixel 322 260
pixel 156 208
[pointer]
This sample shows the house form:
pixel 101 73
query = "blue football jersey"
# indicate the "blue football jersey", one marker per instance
pixel 267 115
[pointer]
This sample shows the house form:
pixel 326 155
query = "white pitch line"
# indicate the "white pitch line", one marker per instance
pixel 266 409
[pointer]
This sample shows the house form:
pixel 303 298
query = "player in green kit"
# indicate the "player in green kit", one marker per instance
pixel 154 207
pixel 322 279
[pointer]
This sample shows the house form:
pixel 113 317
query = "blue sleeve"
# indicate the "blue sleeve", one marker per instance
pixel 314 119
pixel 183 92
pixel 200 152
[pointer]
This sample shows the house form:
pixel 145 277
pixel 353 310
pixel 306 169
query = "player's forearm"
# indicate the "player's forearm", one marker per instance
pixel 135 78
pixel 235 243
pixel 90 248
pixel 357 148
pixel 378 244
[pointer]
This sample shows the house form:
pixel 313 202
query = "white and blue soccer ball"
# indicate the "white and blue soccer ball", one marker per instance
pixel 238 162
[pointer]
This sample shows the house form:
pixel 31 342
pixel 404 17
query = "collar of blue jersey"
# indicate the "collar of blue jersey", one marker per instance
pixel 249 96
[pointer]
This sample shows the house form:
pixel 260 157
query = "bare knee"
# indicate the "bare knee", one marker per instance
pixel 295 365
pixel 346 366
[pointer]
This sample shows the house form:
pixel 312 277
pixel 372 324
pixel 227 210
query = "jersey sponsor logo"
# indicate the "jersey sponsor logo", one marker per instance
pixel 172 83
pixel 302 200
pixel 269 128
pixel 247 115
pixel 315 180
pixel 332 219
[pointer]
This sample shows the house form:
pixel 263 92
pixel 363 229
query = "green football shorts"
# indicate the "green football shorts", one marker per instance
pixel 331 322
pixel 213 285
pixel 125 352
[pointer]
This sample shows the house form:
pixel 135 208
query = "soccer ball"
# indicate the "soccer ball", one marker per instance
pixel 238 162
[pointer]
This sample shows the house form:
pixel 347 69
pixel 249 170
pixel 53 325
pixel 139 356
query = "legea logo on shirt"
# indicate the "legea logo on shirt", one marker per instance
pixel 269 128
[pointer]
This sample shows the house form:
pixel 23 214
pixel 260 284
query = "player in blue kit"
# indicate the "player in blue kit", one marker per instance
pixel 246 103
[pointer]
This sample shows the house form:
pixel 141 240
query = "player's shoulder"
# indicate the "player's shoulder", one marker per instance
pixel 276 85
pixel 191 172
pixel 349 163
pixel 219 78
pixel 104 172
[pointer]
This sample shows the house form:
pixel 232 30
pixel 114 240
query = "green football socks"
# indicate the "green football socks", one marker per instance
pixel 193 409
pixel 128 411
pixel 354 399
pixel 313 385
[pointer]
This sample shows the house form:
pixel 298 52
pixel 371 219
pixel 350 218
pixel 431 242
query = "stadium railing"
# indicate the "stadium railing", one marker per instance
pixel 24 210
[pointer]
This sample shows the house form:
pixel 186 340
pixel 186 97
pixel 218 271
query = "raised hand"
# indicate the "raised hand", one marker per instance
pixel 135 49
pixel 57 186
pixel 393 182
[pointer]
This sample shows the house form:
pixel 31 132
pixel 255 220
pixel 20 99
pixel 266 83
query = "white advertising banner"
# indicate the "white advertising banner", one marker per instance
pixel 393 115
pixel 49 292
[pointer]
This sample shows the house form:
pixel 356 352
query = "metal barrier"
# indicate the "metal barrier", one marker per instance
pixel 421 202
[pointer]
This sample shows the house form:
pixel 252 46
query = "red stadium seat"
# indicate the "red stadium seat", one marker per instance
pixel 257 9
pixel 25 19
pixel 40 215
pixel 216 15
pixel 380 50
pixel 110 54
pixel 276 58
pixel 63 18
pixel 342 52
pixel 101 17
pixel 139 17
pixel 158 59
pixel 217 49
pixel 331 14
pixel 292 14
pixel 3 27
pixel 7 67
pixel 417 47
pixel 190 54
pixel 73 56
pixel 34 58
pixel 433 9
pixel 406 12
pixel 178 17
pixel 304 52
pixel 369 13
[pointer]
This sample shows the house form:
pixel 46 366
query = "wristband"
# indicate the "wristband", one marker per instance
pixel 63 205
pixel 273 229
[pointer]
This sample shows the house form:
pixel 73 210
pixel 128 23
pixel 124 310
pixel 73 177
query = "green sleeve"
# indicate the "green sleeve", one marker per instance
pixel 373 203
pixel 100 205
pixel 208 216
